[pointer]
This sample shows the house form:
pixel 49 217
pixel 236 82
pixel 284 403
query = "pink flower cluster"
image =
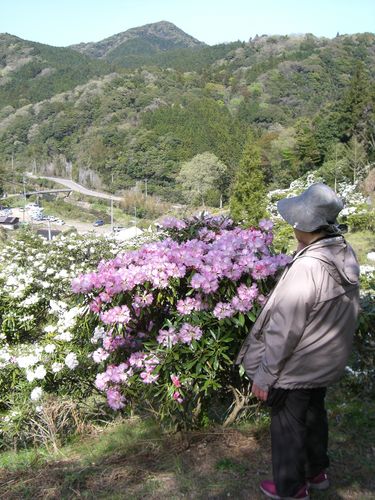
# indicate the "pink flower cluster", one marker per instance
pixel 243 301
pixel 113 375
pixel 111 380
pixel 173 223
pixel 118 314
pixel 220 254
pixel 190 304
pixel 115 399
pixel 185 335
pixel 177 396
pixel 232 254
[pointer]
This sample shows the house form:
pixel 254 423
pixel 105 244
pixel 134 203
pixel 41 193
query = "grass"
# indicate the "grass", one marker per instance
pixel 70 211
pixel 363 242
pixel 134 459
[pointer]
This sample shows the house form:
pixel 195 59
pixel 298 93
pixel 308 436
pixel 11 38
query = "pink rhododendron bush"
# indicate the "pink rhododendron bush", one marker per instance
pixel 173 314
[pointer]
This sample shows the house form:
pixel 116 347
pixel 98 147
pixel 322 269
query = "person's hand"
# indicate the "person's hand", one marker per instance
pixel 259 393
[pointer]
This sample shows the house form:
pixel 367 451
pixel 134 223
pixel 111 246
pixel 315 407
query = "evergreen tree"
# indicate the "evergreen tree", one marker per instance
pixel 249 196
pixel 307 151
pixel 357 104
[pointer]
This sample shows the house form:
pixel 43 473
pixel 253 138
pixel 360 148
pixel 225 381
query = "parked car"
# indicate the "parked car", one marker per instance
pixel 98 222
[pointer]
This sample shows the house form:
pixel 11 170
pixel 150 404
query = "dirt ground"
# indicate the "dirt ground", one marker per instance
pixel 207 465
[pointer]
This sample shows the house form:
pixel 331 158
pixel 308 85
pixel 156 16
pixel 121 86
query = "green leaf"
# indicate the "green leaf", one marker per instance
pixel 251 316
pixel 241 319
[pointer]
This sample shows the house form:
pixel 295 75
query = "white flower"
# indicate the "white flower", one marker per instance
pixel 100 355
pixel 66 336
pixel 71 360
pixel 57 367
pixel 26 361
pixel 49 328
pixel 57 306
pixel 98 334
pixel 31 300
pixel 11 281
pixel 39 409
pixel 36 394
pixel 30 375
pixel 371 256
pixel 49 348
pixel 62 274
pixel 366 269
pixel 40 372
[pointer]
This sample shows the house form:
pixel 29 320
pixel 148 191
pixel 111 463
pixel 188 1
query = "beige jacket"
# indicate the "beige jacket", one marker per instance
pixel 303 335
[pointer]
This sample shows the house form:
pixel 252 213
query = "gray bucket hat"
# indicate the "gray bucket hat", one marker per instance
pixel 316 207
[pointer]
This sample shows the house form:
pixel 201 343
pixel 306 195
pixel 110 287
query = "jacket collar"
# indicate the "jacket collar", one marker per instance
pixel 325 241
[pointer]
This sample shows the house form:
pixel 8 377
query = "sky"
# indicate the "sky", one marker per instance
pixel 66 22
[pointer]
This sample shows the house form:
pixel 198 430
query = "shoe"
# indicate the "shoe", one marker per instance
pixel 318 482
pixel 269 489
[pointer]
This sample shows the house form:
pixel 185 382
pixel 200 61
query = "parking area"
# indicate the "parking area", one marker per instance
pixel 36 219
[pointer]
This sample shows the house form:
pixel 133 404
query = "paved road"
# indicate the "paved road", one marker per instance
pixel 74 186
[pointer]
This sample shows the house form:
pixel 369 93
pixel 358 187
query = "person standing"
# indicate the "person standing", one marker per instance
pixel 301 342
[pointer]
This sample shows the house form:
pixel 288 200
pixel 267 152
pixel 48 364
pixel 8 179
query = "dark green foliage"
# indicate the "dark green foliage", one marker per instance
pixel 49 71
pixel 357 104
pixel 199 125
pixel 307 152
pixel 134 54
pixel 141 41
pixel 363 220
pixel 249 195
pixel 302 95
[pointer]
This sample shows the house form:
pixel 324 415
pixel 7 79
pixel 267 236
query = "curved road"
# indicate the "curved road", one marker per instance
pixel 74 186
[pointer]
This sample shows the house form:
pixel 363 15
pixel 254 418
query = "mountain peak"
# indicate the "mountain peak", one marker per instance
pixel 153 37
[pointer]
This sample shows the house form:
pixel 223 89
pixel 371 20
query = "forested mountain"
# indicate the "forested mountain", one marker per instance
pixel 31 71
pixel 143 41
pixel 306 100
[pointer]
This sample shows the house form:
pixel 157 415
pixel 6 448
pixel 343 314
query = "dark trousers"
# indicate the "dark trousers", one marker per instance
pixel 299 437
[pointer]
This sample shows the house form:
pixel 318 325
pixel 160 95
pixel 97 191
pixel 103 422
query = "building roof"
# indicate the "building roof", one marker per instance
pixel 9 220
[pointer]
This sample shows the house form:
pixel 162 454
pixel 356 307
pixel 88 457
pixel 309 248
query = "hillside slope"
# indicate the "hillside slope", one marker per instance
pixel 31 71
pixel 147 39
pixel 302 95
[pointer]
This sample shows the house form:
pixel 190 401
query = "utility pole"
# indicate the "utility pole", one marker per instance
pixel 135 216
pixel 111 214
pixel 24 197
pixel 49 231
pixel 146 187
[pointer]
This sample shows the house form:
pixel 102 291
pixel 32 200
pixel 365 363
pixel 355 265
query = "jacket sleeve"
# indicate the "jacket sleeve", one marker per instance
pixel 296 297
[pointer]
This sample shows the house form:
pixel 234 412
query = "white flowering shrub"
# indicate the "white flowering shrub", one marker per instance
pixel 45 336
pixel 362 368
